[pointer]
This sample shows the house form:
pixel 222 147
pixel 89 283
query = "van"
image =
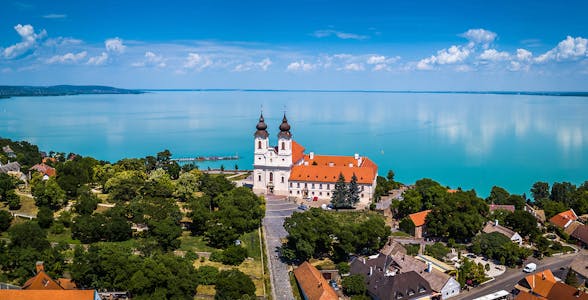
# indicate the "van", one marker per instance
pixel 530 268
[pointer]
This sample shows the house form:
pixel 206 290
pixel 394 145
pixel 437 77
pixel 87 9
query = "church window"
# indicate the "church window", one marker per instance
pixel 313 185
pixel 298 184
pixel 321 186
pixel 297 192
pixel 282 179
pixel 328 194
pixel 320 193
pixel 271 177
pixel 258 144
pixel 290 192
pixel 305 185
pixel 258 177
pixel 361 195
pixel 283 146
pixel 290 184
pixel 313 193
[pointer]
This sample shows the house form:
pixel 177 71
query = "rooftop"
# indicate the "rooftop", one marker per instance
pixel 313 284
pixel 564 219
pixel 419 218
pixel 493 227
pixel 326 168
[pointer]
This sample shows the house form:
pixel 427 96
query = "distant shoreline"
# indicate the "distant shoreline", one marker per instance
pixel 66 90
pixel 61 90
pixel 522 93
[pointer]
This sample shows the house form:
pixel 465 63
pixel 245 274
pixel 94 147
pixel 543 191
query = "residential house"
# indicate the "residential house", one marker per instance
pixel 419 219
pixel 9 152
pixel 558 291
pixel 312 284
pixel 42 281
pixel 386 282
pixel 392 247
pixel 538 284
pixel 46 170
pixel 494 207
pixel 436 264
pixel 581 234
pixel 443 284
pixel 564 219
pixel 495 227
pixel 11 167
pixel 580 266
pixel 49 295
pixel 539 214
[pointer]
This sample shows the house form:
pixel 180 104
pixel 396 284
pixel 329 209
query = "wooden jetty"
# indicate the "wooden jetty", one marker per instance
pixel 206 158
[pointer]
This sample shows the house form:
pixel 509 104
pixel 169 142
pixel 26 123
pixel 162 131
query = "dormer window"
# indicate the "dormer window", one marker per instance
pixel 410 292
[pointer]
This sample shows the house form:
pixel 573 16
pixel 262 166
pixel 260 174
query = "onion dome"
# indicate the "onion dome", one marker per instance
pixel 261 128
pixel 284 129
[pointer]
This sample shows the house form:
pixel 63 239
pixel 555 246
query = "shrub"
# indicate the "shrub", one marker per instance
pixel 206 275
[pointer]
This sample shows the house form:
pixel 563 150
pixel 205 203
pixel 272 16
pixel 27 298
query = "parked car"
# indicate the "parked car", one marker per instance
pixel 529 268
pixel 471 256
pixel 303 207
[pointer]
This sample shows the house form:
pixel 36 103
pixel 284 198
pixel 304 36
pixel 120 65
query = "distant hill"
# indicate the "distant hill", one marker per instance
pixel 7 91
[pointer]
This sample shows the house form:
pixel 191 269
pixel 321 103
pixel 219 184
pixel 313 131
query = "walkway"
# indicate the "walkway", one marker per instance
pixel 277 209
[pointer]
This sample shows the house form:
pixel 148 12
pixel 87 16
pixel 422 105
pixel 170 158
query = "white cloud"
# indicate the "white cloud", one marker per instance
pixel 381 62
pixel 250 65
pixel 300 66
pixel 197 62
pixel 98 60
pixel 479 36
pixel 374 60
pixel 67 58
pixel 568 49
pixel 494 55
pixel 151 60
pixel 339 34
pixel 524 55
pixel 55 16
pixel 354 67
pixel 115 45
pixel 453 55
pixel 29 41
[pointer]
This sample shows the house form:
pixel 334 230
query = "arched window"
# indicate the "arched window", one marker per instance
pixel 283 146
pixel 271 177
pixel 258 144
pixel 282 179
pixel 258 177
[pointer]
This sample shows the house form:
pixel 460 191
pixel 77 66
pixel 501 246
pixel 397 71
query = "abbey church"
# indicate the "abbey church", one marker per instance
pixel 286 170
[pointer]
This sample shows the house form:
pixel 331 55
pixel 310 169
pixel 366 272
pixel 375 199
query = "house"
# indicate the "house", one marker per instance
pixel 494 207
pixel 539 214
pixel 418 219
pixel 9 152
pixel 495 227
pixel 386 282
pixel 564 219
pixel 42 281
pixel 436 264
pixel 392 247
pixel 580 266
pixel 440 282
pixel 312 284
pixel 11 167
pixel 286 170
pixel 538 284
pixel 562 291
pixel 46 170
pixel 49 295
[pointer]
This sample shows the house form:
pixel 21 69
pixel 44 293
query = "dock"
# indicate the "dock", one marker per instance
pixel 205 158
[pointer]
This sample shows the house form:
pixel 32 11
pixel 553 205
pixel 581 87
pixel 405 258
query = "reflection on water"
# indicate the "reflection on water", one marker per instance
pixel 472 141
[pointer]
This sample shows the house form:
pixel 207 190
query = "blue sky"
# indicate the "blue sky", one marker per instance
pixel 394 45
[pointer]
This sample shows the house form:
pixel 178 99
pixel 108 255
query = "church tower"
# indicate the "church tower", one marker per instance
pixel 285 143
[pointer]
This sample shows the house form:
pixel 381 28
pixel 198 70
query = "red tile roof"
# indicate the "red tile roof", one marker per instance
pixel 326 168
pixel 541 282
pixel 562 291
pixel 312 283
pixel 48 295
pixel 419 218
pixel 506 207
pixel 297 152
pixel 563 218
pixel 41 281
pixel 522 295
pixel 45 169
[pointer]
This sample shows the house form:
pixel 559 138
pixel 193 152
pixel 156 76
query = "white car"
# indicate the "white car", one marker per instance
pixel 529 268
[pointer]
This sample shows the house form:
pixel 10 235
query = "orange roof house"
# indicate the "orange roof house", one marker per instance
pixel 564 219
pixel 419 222
pixel 44 169
pixel 49 295
pixel 42 281
pixel 312 283
pixel 538 284
pixel 326 168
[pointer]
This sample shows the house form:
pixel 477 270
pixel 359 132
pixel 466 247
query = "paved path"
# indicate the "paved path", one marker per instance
pixel 511 277
pixel 276 210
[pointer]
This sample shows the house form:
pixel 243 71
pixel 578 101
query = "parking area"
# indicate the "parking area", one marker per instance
pixel 494 269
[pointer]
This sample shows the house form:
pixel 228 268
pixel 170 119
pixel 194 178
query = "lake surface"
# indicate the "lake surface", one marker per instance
pixel 461 140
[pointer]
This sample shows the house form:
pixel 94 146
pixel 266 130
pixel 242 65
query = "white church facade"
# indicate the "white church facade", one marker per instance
pixel 286 170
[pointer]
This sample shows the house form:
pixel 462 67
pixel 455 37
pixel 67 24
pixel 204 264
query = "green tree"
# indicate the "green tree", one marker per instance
pixel 233 284
pixel 187 185
pixel 563 192
pixel 207 275
pixel 13 200
pixel 353 192
pixel 5 220
pixel 524 223
pixel 431 192
pixel 124 186
pixel 437 250
pixel 343 267
pixel 412 202
pixel 48 193
pixel 406 225
pixel 28 235
pixel 551 207
pixel 540 190
pixel 88 228
pixel 471 273
pixel 73 174
pixel 354 285
pixel 498 195
pixel 7 183
pixel 339 195
pixel 87 202
pixel 233 255
pixel 571 278
pixel 45 217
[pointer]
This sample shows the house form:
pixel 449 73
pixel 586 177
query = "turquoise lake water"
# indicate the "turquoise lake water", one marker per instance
pixel 460 140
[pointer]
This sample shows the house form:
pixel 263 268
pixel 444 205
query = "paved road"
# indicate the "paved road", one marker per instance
pixel 276 210
pixel 508 280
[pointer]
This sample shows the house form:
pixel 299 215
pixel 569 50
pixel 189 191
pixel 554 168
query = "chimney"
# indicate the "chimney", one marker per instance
pixel 371 271
pixel 351 165
pixel 331 164
pixel 311 155
pixel 429 267
pixel 356 156
pixel 495 222
pixel 39 266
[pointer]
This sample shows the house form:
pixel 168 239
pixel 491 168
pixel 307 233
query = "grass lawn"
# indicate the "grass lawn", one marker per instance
pixel 27 205
pixel 295 288
pixel 400 233
pixel 323 264
pixel 194 243
pixel 353 216
pixel 62 237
